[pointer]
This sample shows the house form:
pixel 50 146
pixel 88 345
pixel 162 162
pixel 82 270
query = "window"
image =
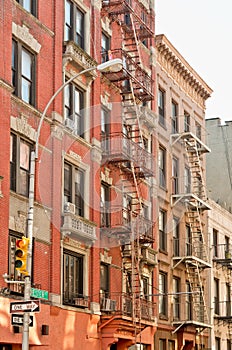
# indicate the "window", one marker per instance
pixel 215 242
pixel 228 343
pixel 162 167
pixel 217 343
pixel 105 205
pixel 186 122
pixel 74 24
pixel 29 5
pixel 198 130
pixel 162 344
pixel 228 299
pixel 73 285
pixel 176 238
pixel 161 106
pixel 227 248
pixel 105 280
pixel 14 274
pixel 74 187
pixel 162 231
pixel 105 129
pixel 189 302
pixel 175 175
pixel 145 284
pixel 74 104
pixel 105 48
pixel 23 72
pixel 216 296
pixel 174 117
pixel 187 180
pixel 20 151
pixel 163 288
pixel 188 240
pixel 176 298
pixel 171 345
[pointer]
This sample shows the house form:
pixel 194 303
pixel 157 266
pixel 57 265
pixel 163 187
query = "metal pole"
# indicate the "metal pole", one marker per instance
pixel 30 223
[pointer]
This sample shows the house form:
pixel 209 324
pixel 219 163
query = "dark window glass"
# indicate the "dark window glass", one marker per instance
pixel 174 117
pixel 176 238
pixel 162 167
pixel 104 280
pixel 72 277
pixel 19 165
pixel 163 301
pixel 176 298
pixel 105 47
pixel 175 176
pixel 23 73
pixel 216 296
pixel 215 242
pixel 74 24
pixel 162 231
pixel 161 106
pixel 74 187
pixel 186 122
pixel 189 302
pixel 74 109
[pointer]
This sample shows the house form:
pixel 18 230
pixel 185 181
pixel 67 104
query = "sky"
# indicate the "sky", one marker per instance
pixel 201 30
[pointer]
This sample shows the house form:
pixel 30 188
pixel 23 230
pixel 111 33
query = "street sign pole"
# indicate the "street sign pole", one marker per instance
pixel 26 316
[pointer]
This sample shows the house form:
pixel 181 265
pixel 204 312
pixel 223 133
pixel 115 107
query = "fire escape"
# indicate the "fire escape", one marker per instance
pixel 124 152
pixel 222 258
pixel 194 252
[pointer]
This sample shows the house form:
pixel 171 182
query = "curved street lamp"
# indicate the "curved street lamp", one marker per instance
pixel 114 65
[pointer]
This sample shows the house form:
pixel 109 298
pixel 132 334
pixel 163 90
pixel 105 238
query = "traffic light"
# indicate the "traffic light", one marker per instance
pixel 21 255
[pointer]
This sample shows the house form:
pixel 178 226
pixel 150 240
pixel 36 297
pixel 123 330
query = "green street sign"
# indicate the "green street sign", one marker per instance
pixel 39 293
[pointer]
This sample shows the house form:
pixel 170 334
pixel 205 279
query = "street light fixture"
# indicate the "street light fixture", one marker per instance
pixel 114 65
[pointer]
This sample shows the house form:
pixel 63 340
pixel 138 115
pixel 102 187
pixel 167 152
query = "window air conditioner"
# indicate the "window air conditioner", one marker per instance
pixel 108 304
pixel 69 208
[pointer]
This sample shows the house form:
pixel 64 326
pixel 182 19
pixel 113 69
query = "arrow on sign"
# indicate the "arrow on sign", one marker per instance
pixel 17 320
pixel 25 306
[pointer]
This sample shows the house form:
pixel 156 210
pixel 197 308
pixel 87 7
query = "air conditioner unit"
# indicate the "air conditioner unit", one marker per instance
pixel 69 123
pixel 69 208
pixel 108 305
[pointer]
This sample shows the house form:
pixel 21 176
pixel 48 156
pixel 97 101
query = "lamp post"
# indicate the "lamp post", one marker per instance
pixel 114 65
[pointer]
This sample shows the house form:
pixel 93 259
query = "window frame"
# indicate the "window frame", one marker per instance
pixel 186 121
pixel 161 106
pixel 216 296
pixel 71 34
pixel 74 96
pixel 18 48
pixel 162 167
pixel 163 298
pixel 70 192
pixel 16 168
pixel 104 280
pixel 176 298
pixel 176 237
pixel 162 230
pixel 175 175
pixel 105 49
pixel 33 5
pixel 105 205
pixel 78 290
pixel 174 116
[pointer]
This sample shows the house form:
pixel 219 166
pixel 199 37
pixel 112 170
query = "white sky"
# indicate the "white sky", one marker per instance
pixel 201 30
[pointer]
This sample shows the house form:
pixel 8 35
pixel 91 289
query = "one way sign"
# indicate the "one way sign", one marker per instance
pixel 17 320
pixel 25 306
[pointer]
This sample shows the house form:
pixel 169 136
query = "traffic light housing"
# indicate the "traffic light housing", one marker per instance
pixel 21 255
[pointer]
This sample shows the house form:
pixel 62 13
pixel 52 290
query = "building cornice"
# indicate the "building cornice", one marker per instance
pixel 179 69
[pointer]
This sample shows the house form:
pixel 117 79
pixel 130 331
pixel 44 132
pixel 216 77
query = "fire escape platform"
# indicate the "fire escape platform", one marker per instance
pixel 187 137
pixel 196 324
pixel 192 200
pixel 191 260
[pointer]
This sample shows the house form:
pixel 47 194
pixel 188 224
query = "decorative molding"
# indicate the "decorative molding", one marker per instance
pixel 23 34
pixel 57 132
pixel 106 176
pixel 105 257
pixel 20 124
pixel 6 86
pixel 75 156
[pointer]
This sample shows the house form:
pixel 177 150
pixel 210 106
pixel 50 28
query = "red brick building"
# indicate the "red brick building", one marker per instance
pixel 94 211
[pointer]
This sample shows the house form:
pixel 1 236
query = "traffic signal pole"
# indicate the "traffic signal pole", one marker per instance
pixel 30 223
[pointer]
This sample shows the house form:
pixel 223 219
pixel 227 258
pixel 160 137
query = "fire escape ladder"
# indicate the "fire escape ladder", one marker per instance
pixel 196 245
pixel 193 156
pixel 200 313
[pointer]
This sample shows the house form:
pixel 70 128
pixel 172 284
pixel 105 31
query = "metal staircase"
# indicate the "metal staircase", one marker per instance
pixel 127 154
pixel 196 254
